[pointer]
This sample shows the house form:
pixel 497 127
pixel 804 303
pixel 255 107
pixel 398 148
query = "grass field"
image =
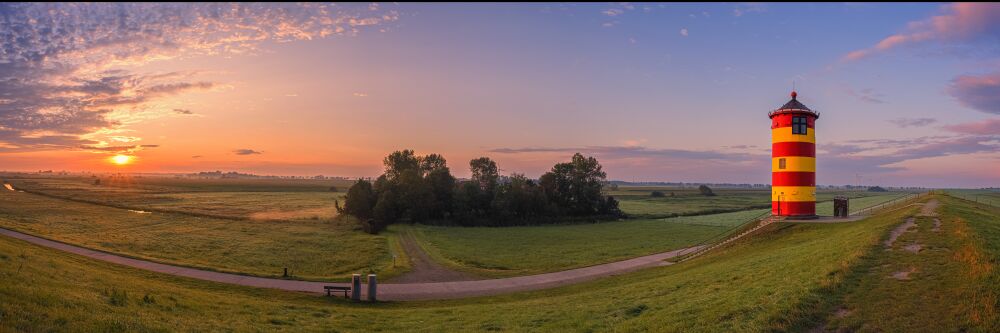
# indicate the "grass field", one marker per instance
pixel 511 251
pixel 825 208
pixel 637 202
pixel 535 249
pixel 939 277
pixel 314 248
pixel 310 249
pixel 774 281
pixel 988 197
pixel 260 199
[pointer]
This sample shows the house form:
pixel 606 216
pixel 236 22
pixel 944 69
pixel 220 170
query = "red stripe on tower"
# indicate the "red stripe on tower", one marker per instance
pixel 793 208
pixel 777 122
pixel 782 149
pixel 793 179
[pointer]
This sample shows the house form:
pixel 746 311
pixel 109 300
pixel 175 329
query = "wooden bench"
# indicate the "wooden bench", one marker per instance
pixel 330 289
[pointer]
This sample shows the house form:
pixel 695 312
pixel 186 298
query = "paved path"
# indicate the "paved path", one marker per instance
pixel 828 219
pixel 387 291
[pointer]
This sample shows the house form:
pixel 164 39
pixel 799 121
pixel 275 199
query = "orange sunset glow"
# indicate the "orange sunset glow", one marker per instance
pixel 121 159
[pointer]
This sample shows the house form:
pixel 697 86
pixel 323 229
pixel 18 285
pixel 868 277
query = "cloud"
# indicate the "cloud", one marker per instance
pixel 69 71
pixel 632 152
pixel 882 156
pixel 650 163
pixel 247 152
pixel 977 92
pixel 867 95
pixel 183 111
pixel 613 12
pixel 745 8
pixel 912 122
pixel 118 149
pixel 684 32
pixel 959 22
pixel 983 127
pixel 196 156
pixel 358 94
pixel 837 160
pixel 121 138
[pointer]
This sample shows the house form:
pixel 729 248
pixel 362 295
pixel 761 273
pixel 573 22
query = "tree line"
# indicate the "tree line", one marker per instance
pixel 421 189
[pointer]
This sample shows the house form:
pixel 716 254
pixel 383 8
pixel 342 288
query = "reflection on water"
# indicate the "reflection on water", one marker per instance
pixel 8 187
pixel 139 211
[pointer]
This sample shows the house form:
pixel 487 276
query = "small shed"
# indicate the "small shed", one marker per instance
pixel 840 207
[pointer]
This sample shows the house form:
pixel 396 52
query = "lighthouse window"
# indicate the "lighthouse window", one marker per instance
pixel 781 163
pixel 799 125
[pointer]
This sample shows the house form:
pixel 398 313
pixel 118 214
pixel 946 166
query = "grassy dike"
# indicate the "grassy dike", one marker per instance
pixel 774 281
pixel 938 277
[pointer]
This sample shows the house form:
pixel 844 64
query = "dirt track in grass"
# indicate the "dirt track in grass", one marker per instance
pixel 425 269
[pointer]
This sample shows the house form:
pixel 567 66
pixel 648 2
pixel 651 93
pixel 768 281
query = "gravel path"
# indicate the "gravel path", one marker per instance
pixel 387 291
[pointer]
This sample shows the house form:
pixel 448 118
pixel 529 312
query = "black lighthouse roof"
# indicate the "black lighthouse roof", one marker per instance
pixel 794 106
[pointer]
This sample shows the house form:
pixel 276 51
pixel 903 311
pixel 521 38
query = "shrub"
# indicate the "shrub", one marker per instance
pixel 116 297
pixel 706 191
pixel 658 194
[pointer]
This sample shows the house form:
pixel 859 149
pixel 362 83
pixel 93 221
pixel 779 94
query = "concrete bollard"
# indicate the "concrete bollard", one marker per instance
pixel 372 286
pixel 356 287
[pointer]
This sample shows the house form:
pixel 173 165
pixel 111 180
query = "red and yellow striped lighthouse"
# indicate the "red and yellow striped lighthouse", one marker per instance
pixel 793 160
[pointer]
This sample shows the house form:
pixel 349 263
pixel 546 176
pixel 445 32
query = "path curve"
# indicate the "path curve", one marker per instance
pixel 386 291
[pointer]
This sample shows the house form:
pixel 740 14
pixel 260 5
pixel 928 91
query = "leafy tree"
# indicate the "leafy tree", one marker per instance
pixel 360 200
pixel 399 162
pixel 576 186
pixel 519 198
pixel 421 188
pixel 431 163
pixel 442 187
pixel 485 173
pixel 706 191
pixel 415 195
pixel 465 209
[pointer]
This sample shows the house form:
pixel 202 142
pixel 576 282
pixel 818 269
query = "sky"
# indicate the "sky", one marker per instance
pixel 908 94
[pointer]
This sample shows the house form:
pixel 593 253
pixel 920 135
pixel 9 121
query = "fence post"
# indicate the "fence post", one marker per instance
pixel 372 286
pixel 356 287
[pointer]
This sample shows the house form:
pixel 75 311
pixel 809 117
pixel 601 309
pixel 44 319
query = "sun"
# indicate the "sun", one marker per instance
pixel 121 159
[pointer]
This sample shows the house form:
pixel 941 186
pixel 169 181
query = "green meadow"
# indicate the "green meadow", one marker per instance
pixel 776 281
pixel 257 199
pixel 638 202
pixel 310 249
pixel 511 251
pixel 257 227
